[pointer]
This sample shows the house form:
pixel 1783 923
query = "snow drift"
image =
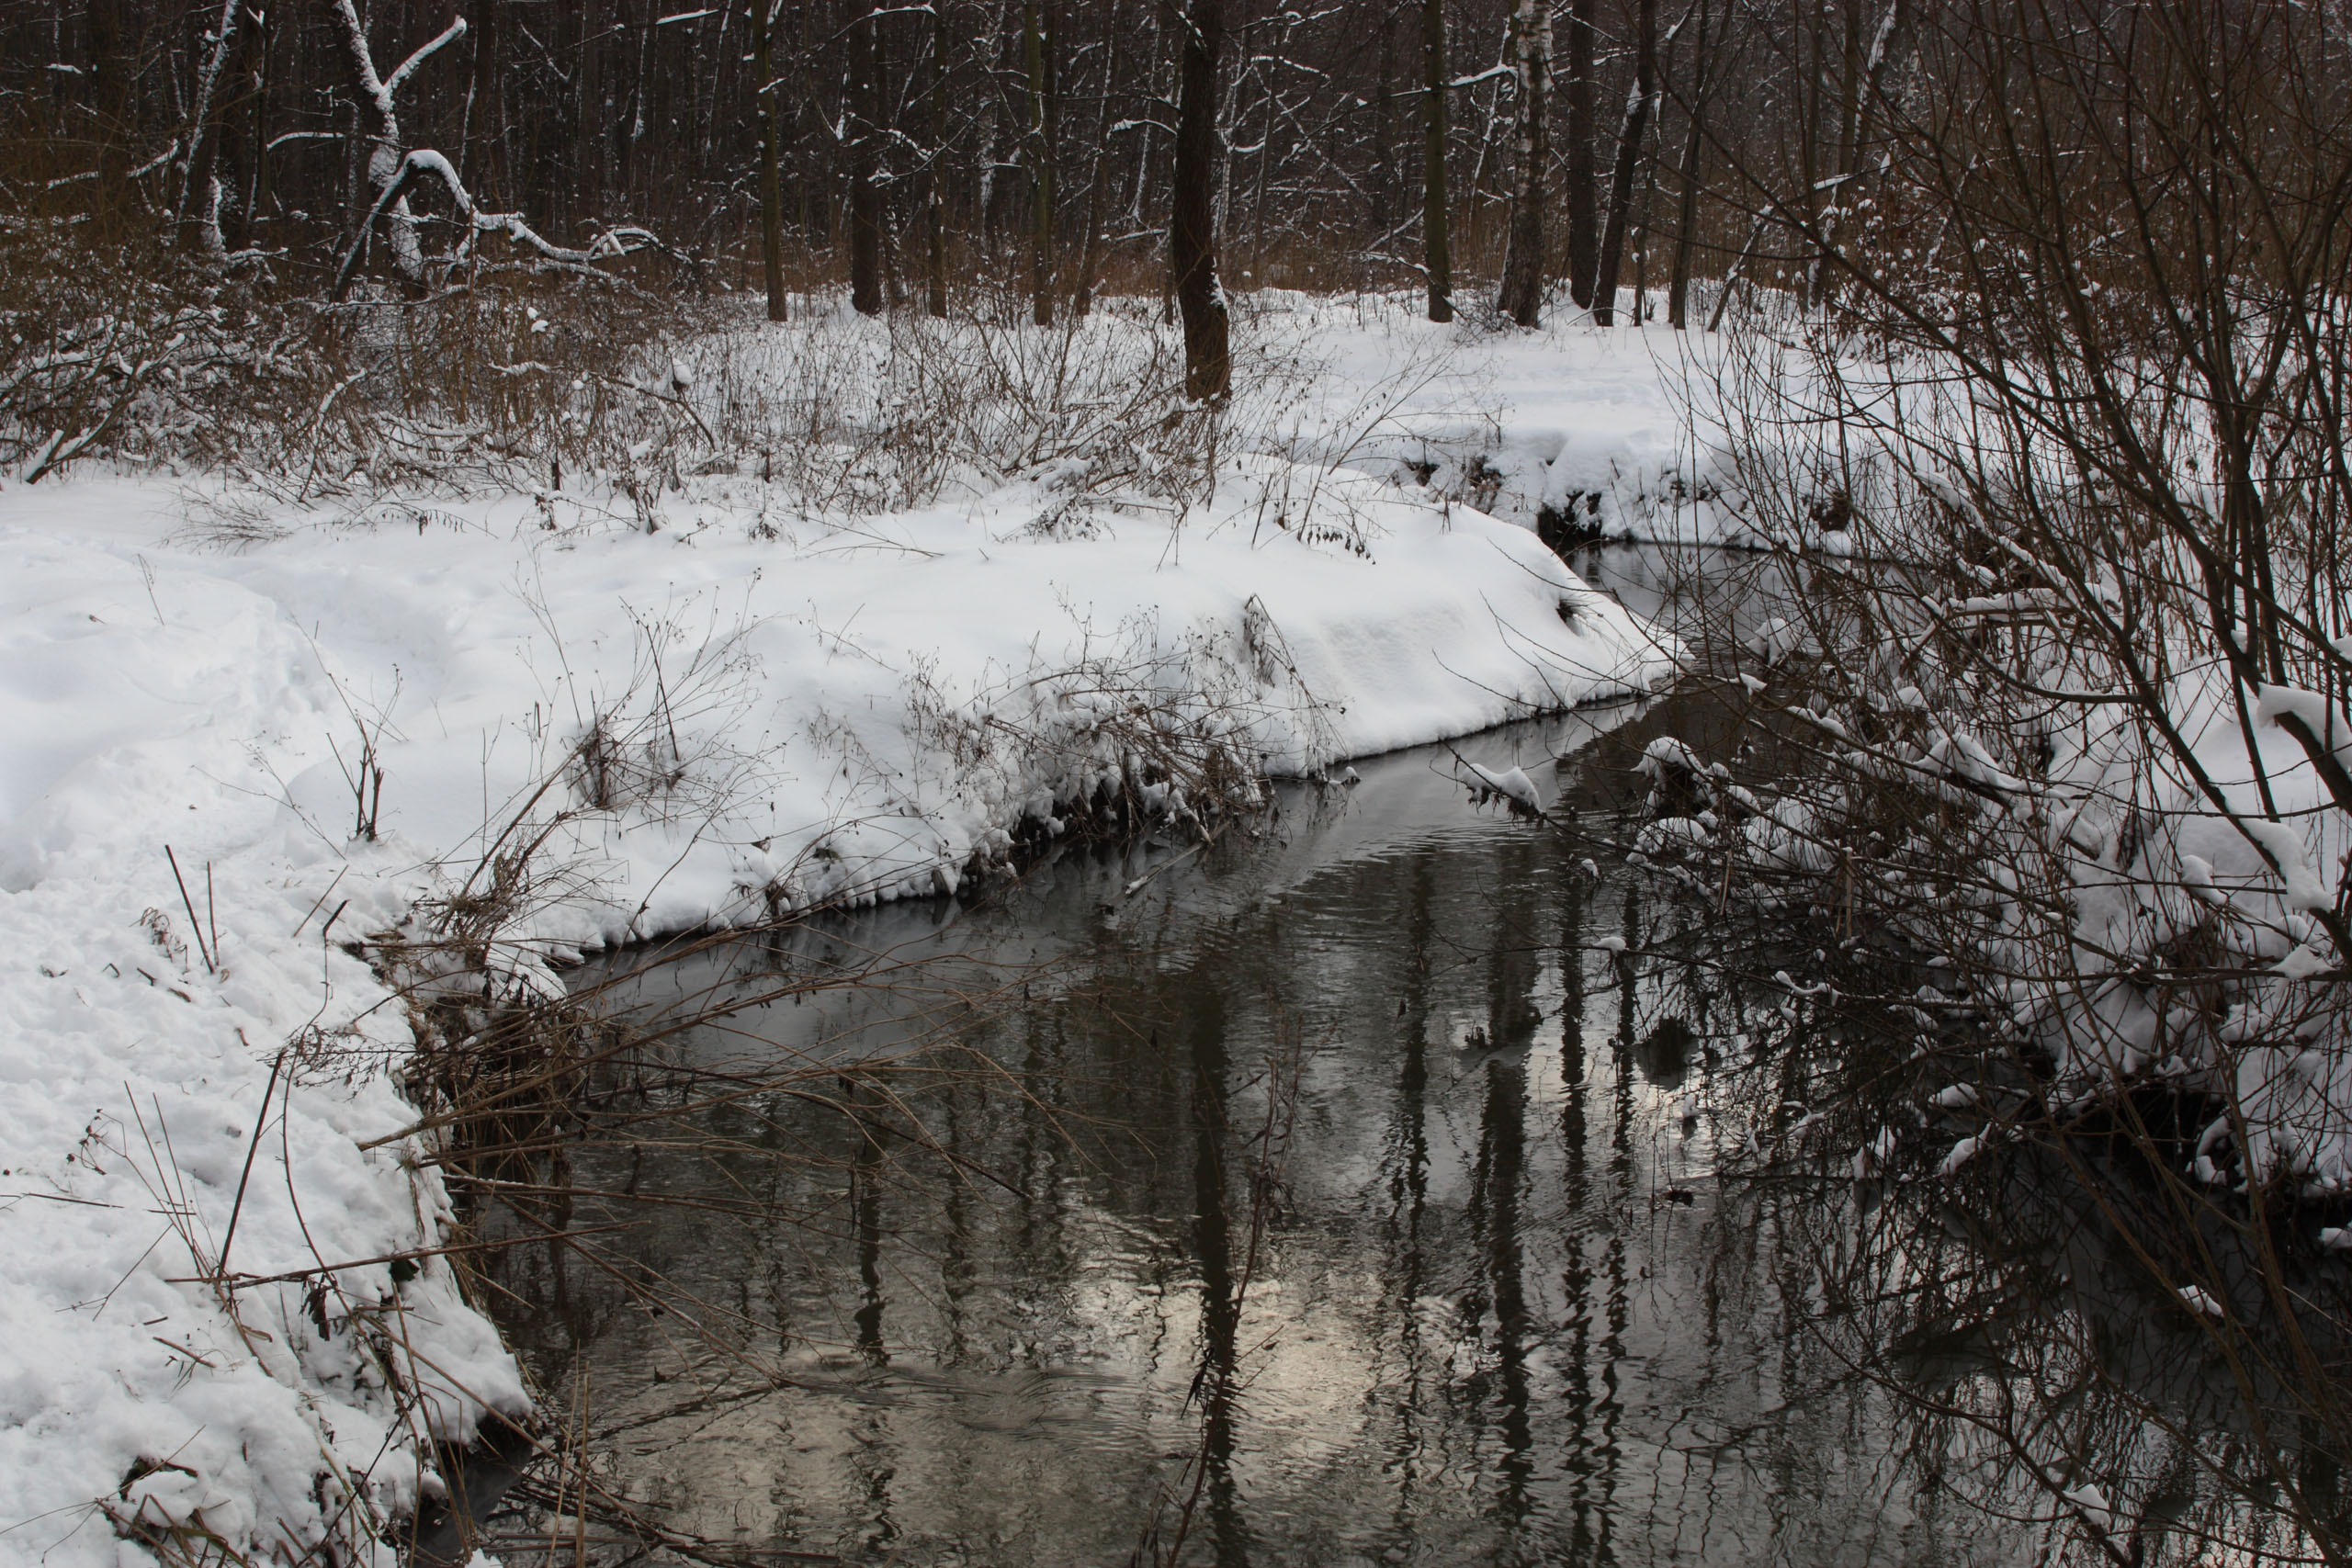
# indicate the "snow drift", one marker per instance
pixel 230 1322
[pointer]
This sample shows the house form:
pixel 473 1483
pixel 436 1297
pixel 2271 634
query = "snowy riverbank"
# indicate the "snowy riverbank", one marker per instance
pixel 696 724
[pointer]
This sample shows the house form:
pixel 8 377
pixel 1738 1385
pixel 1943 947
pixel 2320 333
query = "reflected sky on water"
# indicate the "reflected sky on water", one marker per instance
pixel 1337 1180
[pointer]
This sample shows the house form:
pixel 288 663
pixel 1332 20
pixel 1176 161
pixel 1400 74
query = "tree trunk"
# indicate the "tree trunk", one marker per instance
pixel 1584 246
pixel 486 111
pixel 1641 233
pixel 989 154
pixel 865 200
pixel 1384 155
pixel 1867 75
pixel 1036 32
pixel 1887 45
pixel 1809 50
pixel 199 218
pixel 110 69
pixel 1089 243
pixel 1191 230
pixel 581 199
pixel 934 192
pixel 1850 87
pixel 771 183
pixel 1678 288
pixel 385 150
pixel 256 134
pixel 1521 298
pixel 1629 136
pixel 1436 248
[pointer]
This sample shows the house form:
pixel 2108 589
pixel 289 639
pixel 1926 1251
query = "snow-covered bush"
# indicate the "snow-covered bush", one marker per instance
pixel 122 349
pixel 2070 694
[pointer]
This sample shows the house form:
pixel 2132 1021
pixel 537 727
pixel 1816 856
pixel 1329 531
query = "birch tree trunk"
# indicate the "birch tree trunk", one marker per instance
pixel 1192 228
pixel 1521 298
pixel 1437 250
pixel 771 186
pixel 1639 105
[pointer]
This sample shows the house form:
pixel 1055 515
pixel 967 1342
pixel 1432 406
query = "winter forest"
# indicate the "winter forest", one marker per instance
pixel 1048 782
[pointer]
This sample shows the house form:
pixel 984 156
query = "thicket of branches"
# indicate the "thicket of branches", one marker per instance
pixel 2063 393
pixel 956 137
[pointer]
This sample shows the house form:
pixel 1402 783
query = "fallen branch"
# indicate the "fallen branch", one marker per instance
pixel 424 162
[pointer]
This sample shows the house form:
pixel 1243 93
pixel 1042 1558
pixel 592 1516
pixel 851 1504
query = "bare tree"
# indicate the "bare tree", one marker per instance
pixel 389 165
pixel 1584 237
pixel 770 187
pixel 1192 228
pixel 1641 102
pixel 1037 152
pixel 1685 226
pixel 1437 251
pixel 1866 78
pixel 2083 357
pixel 1521 298
pixel 111 67
pixel 238 226
pixel 485 113
pixel 865 151
pixel 199 216
pixel 1090 253
pixel 393 172
pixel 936 173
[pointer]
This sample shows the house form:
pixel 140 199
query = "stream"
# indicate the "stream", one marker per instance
pixel 1336 1194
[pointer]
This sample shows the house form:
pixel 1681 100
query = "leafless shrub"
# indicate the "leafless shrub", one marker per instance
pixel 120 350
pixel 2055 696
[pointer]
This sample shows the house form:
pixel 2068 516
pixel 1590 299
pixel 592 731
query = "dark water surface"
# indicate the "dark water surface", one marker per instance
pixel 1340 1182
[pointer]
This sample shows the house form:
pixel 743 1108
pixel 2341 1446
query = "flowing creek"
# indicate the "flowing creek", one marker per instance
pixel 1334 1195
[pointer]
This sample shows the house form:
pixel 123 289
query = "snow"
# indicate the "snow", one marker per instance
pixel 1962 1152
pixel 2285 846
pixel 2093 1505
pixel 1511 783
pixel 2231 841
pixel 1873 1157
pixel 2248 878
pixel 2201 1301
pixel 1617 431
pixel 695 725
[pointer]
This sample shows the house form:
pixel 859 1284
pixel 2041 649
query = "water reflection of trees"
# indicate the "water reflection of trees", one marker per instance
pixel 2050 1379
pixel 1504 1300
pixel 2025 1314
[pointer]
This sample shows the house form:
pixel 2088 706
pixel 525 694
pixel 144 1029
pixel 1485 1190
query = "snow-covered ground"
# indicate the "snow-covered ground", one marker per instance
pixel 215 1242
pixel 1613 431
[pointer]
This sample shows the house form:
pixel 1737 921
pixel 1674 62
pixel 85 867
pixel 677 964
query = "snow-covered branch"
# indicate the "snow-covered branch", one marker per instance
pixel 425 162
pixel 393 170
pixel 450 34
